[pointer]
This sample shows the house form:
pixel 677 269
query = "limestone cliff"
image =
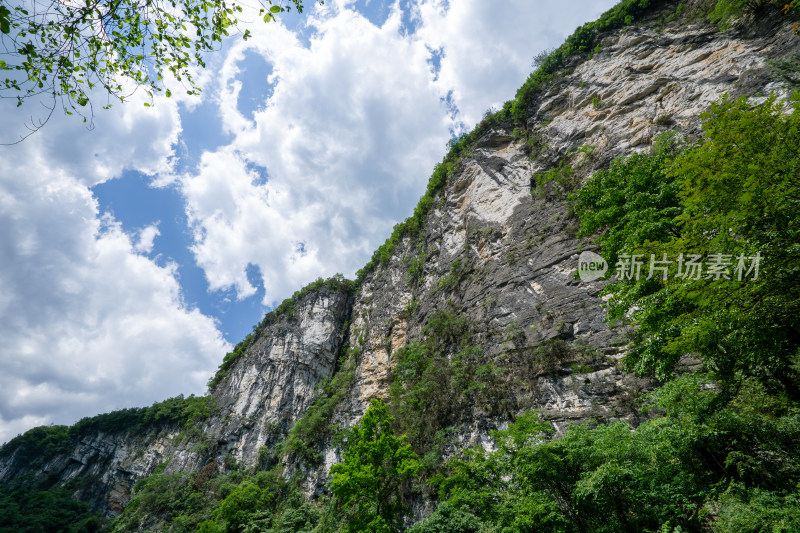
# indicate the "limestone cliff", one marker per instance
pixel 491 252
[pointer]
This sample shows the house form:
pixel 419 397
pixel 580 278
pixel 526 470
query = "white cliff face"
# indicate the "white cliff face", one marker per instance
pixel 277 376
pixel 273 384
pixel 490 252
pixel 644 81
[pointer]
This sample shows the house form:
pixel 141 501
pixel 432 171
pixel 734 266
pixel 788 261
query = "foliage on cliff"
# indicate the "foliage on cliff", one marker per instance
pixel 34 511
pixel 732 199
pixel 207 501
pixel 698 466
pixel 376 464
pixel 367 489
pixel 40 444
pixel 719 452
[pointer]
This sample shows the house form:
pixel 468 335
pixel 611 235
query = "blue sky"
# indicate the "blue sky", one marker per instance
pixel 137 252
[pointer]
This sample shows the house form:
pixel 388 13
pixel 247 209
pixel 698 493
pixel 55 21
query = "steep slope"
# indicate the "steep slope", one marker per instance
pixel 485 271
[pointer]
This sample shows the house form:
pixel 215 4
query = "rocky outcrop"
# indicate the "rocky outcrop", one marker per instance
pixel 101 468
pixel 646 79
pixel 491 252
pixel 271 387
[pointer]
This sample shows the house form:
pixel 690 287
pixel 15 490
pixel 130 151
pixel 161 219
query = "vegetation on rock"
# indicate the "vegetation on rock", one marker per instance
pixel 40 444
pixel 717 450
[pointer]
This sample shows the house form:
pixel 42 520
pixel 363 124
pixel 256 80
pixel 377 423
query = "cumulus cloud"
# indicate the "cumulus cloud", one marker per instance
pixel 488 47
pixel 147 237
pixel 335 156
pixel 354 122
pixel 89 323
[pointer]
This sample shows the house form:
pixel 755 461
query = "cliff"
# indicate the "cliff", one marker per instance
pixel 487 274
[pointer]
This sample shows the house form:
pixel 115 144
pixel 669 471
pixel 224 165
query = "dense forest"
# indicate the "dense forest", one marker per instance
pixel 717 447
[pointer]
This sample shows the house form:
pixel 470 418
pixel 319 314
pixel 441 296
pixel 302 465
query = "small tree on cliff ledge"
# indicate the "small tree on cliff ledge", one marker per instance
pixel 376 463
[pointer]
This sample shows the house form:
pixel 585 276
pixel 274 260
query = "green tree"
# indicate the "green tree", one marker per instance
pixel 737 199
pixel 634 201
pixel 375 466
pixel 64 50
pixel 246 503
pixel 741 195
pixel 25 510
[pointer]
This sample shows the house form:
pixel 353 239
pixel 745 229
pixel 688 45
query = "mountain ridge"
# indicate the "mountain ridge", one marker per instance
pixel 484 270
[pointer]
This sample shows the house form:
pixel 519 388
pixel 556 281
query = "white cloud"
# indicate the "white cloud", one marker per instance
pixel 147 237
pixel 351 132
pixel 348 139
pixel 88 323
pixel 489 46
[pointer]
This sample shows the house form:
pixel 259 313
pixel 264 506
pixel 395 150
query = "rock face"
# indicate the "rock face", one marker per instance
pixel 644 81
pixel 491 252
pixel 271 387
pixel 107 465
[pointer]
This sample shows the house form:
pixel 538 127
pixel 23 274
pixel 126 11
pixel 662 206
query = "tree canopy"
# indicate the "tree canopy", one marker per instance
pixel 730 198
pixel 66 52
pixel 375 465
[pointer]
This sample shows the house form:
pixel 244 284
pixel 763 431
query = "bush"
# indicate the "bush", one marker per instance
pixel 430 385
pixel 558 181
pixel 723 11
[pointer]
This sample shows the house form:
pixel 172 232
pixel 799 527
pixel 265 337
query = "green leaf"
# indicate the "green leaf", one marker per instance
pixel 5 20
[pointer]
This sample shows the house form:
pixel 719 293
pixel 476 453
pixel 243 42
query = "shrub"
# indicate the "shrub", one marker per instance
pixel 557 180
pixel 723 11
pixel 786 69
pixel 33 511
